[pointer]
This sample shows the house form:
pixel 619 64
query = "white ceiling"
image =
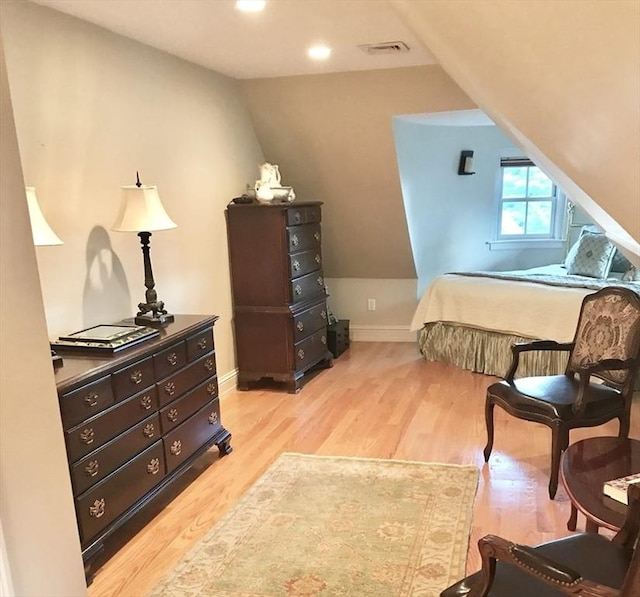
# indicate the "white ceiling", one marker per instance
pixel 273 43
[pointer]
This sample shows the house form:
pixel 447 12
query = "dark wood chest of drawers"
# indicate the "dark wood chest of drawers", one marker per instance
pixel 280 310
pixel 135 421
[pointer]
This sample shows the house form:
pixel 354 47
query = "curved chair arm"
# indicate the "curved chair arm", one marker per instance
pixel 588 369
pixel 629 534
pixel 521 347
pixel 526 559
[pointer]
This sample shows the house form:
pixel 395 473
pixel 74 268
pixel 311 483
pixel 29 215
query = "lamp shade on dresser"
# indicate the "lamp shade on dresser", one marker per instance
pixel 280 304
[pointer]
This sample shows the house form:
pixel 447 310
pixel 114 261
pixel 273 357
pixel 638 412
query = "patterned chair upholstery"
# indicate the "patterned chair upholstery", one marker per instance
pixel 584 564
pixel 605 348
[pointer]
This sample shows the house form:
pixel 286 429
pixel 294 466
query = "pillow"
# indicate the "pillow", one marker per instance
pixel 591 256
pixel 620 263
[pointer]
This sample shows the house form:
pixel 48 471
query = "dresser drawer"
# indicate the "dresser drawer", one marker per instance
pixel 133 379
pixel 173 387
pixel 305 262
pixel 184 440
pixel 97 465
pixel 199 344
pixel 182 408
pixel 170 360
pixel 307 286
pixel 310 350
pixel 85 402
pixel 310 321
pixel 303 238
pixel 303 215
pixel 98 430
pixel 105 501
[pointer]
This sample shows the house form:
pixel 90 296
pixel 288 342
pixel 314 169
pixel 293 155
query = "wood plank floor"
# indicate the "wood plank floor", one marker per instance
pixel 380 400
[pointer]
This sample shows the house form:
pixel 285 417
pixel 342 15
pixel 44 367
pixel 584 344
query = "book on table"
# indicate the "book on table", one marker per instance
pixel 617 488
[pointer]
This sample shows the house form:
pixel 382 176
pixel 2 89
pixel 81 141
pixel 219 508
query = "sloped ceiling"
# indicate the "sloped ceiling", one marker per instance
pixel 563 79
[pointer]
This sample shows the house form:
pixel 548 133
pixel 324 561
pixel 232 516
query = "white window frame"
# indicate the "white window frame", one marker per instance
pixel 558 215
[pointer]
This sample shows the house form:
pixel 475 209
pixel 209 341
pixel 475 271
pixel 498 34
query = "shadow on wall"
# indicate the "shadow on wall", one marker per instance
pixel 106 296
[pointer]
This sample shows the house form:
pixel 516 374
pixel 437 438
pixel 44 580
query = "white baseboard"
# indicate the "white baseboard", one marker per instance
pixel 381 333
pixel 227 382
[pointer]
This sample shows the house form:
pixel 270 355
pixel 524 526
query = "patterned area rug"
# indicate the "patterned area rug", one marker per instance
pixel 327 526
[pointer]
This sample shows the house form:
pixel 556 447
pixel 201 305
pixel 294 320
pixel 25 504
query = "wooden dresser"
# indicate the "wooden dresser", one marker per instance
pixel 280 304
pixel 135 421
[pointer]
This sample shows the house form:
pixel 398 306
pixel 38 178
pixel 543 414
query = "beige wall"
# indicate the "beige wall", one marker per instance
pixel 91 108
pixel 332 137
pixel 563 81
pixel 37 519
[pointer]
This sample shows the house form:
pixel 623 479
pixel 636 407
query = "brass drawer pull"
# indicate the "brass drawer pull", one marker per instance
pixel 172 415
pixel 318 259
pixel 92 468
pixel 213 418
pixel 323 339
pixel 209 364
pixel 149 430
pixel 202 343
pixel 91 399
pixel 294 240
pixel 172 358
pixel 323 314
pixel 297 216
pixel 153 468
pixel 176 447
pixel 87 435
pixel 300 326
pixel 97 510
pixel 212 388
pixel 316 235
pixel 301 354
pixel 136 376
pixel 319 280
pixel 296 265
pixel 146 402
pixel 170 388
pixel 297 289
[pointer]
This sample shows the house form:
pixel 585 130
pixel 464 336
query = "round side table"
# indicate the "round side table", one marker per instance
pixel 586 466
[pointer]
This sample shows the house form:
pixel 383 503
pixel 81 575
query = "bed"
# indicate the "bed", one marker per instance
pixel 471 319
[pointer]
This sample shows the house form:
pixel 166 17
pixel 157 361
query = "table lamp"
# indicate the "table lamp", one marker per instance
pixel 142 211
pixel 43 235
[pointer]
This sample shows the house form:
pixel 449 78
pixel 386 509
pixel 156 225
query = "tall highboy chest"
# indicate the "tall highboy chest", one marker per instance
pixel 280 304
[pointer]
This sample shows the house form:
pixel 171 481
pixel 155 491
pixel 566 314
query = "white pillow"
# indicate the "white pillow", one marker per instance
pixel 591 256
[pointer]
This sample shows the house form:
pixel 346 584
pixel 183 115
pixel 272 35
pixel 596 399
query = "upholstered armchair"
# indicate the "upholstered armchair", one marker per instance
pixel 584 564
pixel 598 383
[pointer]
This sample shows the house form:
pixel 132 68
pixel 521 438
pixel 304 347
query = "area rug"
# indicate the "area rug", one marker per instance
pixel 333 526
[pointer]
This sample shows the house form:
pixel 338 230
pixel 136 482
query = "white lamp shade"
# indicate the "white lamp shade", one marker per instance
pixel 42 232
pixel 142 211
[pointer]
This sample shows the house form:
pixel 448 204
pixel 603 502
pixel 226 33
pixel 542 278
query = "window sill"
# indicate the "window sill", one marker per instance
pixel 512 245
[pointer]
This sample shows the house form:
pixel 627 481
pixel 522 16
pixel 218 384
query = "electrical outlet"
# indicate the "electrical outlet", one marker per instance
pixel 371 304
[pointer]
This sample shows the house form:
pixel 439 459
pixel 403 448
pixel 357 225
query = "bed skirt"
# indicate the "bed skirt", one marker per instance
pixel 485 352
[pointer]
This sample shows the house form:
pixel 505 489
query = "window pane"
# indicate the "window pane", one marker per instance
pixel 539 217
pixel 540 184
pixel 513 217
pixel 514 182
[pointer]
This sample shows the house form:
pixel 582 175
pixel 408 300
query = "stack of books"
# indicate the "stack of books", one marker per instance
pixel 617 488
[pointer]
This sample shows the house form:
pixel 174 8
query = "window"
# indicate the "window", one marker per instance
pixel 530 202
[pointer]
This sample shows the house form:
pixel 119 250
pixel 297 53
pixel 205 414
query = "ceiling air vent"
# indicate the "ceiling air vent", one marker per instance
pixel 386 47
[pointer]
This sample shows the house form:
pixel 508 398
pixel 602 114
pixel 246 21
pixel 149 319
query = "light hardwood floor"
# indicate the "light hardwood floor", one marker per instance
pixel 379 400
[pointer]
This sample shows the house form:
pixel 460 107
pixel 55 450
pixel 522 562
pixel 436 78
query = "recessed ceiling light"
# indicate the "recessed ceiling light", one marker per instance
pixel 319 52
pixel 250 5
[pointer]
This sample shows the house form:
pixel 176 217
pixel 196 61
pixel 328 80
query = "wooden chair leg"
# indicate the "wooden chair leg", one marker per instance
pixel 488 416
pixel 559 443
pixel 624 426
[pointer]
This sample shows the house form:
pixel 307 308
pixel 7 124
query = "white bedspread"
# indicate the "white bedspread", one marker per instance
pixel 520 308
